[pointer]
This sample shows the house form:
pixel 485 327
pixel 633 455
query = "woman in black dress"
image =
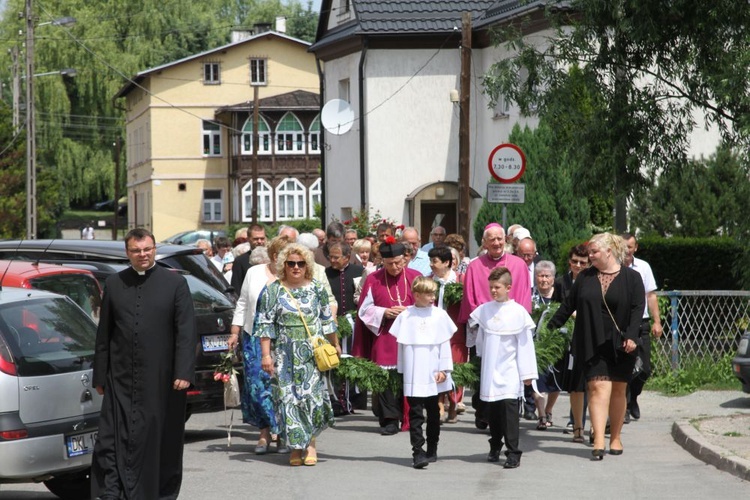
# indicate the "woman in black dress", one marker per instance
pixel 608 299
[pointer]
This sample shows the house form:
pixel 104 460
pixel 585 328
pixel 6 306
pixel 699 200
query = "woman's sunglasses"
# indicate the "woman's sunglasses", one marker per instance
pixel 291 264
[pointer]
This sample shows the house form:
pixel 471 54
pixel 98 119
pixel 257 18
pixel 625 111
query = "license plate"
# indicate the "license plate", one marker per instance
pixel 81 444
pixel 213 343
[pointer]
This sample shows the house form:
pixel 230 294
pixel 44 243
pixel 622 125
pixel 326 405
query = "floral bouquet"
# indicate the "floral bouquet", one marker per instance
pixel 225 372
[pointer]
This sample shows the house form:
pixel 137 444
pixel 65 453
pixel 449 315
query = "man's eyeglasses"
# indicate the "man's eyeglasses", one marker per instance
pixel 137 251
pixel 291 264
pixel 580 263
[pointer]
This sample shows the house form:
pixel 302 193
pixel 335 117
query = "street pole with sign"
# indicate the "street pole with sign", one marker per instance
pixel 507 164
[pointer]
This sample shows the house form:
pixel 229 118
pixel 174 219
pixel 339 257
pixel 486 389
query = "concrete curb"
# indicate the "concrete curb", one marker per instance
pixel 693 441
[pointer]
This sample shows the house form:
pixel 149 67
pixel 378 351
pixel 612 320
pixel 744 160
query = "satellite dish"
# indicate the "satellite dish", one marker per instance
pixel 337 116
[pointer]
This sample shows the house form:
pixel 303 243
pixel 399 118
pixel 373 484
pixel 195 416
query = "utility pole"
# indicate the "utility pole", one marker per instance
pixel 118 146
pixel 256 138
pixel 16 90
pixel 31 214
pixel 464 124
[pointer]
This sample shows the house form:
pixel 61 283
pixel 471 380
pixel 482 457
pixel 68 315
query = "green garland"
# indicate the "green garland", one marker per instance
pixel 344 328
pixel 453 293
pixel 467 374
pixel 551 344
pixel 367 375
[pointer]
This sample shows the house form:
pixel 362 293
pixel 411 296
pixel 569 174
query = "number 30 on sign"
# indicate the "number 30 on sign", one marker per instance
pixel 507 163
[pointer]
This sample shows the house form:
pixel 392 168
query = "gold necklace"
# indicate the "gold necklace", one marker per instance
pixel 398 294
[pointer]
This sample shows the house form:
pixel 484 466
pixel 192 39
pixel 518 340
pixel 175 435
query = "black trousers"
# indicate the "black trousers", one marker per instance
pixel 387 407
pixel 635 387
pixel 417 407
pixel 503 417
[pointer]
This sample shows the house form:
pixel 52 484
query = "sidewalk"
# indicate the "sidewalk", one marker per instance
pixel 713 426
pixel 723 442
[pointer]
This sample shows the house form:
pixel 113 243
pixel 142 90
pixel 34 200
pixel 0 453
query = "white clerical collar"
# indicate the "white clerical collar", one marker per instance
pixel 493 258
pixel 143 273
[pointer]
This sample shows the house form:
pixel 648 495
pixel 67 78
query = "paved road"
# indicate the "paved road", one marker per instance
pixel 356 462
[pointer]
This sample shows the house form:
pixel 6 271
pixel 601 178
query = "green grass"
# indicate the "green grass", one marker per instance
pixel 695 373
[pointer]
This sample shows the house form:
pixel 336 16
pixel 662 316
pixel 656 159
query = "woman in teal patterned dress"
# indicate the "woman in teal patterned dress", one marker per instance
pixel 303 404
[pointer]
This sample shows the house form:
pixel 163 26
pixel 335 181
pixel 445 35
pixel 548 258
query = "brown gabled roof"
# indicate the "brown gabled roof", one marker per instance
pixel 298 100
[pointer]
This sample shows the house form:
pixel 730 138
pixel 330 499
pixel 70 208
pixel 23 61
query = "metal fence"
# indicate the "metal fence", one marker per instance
pixel 700 327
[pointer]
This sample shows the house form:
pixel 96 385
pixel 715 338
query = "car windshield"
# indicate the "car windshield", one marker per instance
pixel 82 288
pixel 47 336
pixel 205 297
pixel 198 265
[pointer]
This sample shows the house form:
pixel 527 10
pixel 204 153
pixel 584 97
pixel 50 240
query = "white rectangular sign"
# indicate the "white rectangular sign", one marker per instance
pixel 506 193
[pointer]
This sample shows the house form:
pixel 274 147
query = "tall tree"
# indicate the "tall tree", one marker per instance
pixel 13 185
pixel 705 198
pixel 652 64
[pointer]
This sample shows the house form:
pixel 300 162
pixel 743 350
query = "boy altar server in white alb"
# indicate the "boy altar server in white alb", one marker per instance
pixel 504 342
pixel 423 333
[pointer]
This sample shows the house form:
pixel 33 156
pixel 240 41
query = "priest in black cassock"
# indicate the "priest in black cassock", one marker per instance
pixel 343 277
pixel 144 362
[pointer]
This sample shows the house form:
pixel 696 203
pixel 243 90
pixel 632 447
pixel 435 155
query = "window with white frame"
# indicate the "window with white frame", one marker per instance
pixel 264 137
pixel 211 139
pixel 211 75
pixel 344 89
pixel 290 200
pixel 313 138
pixel 212 206
pixel 502 107
pixel 258 74
pixel 314 192
pixel 290 135
pixel 265 199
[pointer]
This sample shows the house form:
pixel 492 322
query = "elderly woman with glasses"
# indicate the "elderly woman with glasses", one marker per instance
pixel 294 308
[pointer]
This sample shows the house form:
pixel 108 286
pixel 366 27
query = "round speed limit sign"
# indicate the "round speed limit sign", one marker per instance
pixel 507 163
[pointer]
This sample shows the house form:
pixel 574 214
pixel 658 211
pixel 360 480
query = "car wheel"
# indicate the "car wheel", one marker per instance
pixel 71 486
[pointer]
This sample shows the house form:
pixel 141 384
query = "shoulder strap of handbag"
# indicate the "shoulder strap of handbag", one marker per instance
pixel 604 299
pixel 296 304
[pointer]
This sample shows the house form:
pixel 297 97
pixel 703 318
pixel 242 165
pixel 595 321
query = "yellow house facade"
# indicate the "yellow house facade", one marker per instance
pixel 179 153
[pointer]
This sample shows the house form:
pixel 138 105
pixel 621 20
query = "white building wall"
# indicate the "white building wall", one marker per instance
pixel 342 151
pixel 412 125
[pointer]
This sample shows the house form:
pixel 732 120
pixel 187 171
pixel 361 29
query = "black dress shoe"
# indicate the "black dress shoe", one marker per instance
pixel 431 454
pixel 493 455
pixel 512 462
pixel 529 415
pixel 420 460
pixel 627 417
pixel 635 410
pixel 389 430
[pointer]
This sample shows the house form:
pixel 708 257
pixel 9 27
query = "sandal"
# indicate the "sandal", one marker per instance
pixel 549 420
pixel 541 424
pixel 578 435
pixel 295 459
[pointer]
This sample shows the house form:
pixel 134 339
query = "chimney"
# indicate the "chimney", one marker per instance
pixel 281 24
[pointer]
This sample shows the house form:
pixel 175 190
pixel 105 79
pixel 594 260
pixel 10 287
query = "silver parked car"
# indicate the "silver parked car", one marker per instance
pixel 49 412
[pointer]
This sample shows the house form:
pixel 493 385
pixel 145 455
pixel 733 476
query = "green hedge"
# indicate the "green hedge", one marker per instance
pixel 684 263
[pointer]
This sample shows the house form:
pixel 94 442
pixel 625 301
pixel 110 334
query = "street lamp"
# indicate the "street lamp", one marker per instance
pixel 31 212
